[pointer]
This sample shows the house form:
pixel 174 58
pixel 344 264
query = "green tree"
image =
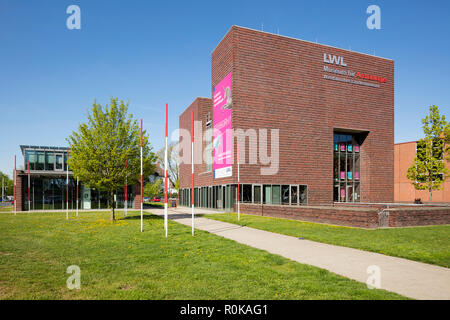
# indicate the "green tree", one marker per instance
pixel 8 183
pixel 102 145
pixel 428 171
pixel 447 141
pixel 154 189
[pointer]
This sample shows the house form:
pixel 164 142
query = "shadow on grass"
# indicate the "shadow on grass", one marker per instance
pixel 144 217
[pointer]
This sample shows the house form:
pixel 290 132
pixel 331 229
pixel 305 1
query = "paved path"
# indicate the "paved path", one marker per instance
pixel 409 278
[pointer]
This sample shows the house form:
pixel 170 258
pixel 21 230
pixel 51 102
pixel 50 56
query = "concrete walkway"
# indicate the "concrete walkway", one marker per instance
pixel 409 278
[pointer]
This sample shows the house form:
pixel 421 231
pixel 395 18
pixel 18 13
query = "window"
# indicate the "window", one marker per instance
pixel 346 167
pixel 285 194
pixel 276 194
pixel 267 194
pixel 303 195
pixel 40 165
pixel 30 156
pixel 49 161
pixel 247 193
pixel 294 195
pixel 257 194
pixel 59 161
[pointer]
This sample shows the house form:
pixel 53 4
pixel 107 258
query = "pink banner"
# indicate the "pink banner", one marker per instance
pixel 222 124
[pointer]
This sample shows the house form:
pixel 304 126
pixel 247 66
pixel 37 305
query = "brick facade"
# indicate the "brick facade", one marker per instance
pixel 278 83
pixel 20 193
pixel 404 190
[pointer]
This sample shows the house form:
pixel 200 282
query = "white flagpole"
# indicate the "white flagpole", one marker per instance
pixel 126 187
pixel 29 202
pixel 15 191
pixel 192 155
pixel 142 194
pixel 67 185
pixel 77 196
pixel 239 198
pixel 166 185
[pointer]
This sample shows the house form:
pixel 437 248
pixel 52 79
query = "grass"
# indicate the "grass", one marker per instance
pixel 119 262
pixel 6 208
pixel 154 204
pixel 430 244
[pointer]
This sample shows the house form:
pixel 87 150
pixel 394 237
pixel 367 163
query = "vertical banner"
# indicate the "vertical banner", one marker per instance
pixel 222 121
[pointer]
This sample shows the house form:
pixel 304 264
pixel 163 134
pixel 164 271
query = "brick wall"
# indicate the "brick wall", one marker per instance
pixel 406 217
pixel 354 217
pixel 19 192
pixel 137 197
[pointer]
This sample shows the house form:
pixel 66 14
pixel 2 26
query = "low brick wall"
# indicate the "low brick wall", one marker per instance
pixel 353 217
pixel 405 217
pixel 362 217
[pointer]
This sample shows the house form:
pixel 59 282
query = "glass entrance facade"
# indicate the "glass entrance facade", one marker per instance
pixel 346 166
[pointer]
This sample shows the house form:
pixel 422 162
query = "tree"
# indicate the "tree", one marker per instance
pixel 428 171
pixel 9 184
pixel 102 146
pixel 154 189
pixel 447 141
pixel 173 162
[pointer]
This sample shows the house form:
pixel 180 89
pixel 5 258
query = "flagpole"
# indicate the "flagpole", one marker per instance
pixel 67 185
pixel 77 197
pixel 165 178
pixel 15 205
pixel 126 182
pixel 192 155
pixel 142 194
pixel 29 207
pixel 239 207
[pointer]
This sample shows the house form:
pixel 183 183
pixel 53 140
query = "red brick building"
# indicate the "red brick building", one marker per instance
pixel 404 191
pixel 334 112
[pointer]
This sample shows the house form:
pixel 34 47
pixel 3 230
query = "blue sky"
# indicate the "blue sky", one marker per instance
pixel 153 52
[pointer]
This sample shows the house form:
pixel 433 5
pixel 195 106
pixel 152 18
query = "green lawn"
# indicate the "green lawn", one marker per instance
pixel 119 262
pixel 154 204
pixel 429 244
pixel 6 208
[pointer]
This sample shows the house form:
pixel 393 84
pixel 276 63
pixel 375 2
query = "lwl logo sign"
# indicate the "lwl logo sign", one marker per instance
pixel 332 59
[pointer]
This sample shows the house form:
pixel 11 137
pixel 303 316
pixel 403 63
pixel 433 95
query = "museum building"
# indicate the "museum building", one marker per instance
pixel 330 110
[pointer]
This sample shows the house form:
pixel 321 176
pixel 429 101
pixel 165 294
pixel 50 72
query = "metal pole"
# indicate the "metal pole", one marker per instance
pixel 67 185
pixel 126 184
pixel 29 203
pixel 142 194
pixel 77 196
pixel 192 155
pixel 3 187
pixel 15 180
pixel 166 185
pixel 239 207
